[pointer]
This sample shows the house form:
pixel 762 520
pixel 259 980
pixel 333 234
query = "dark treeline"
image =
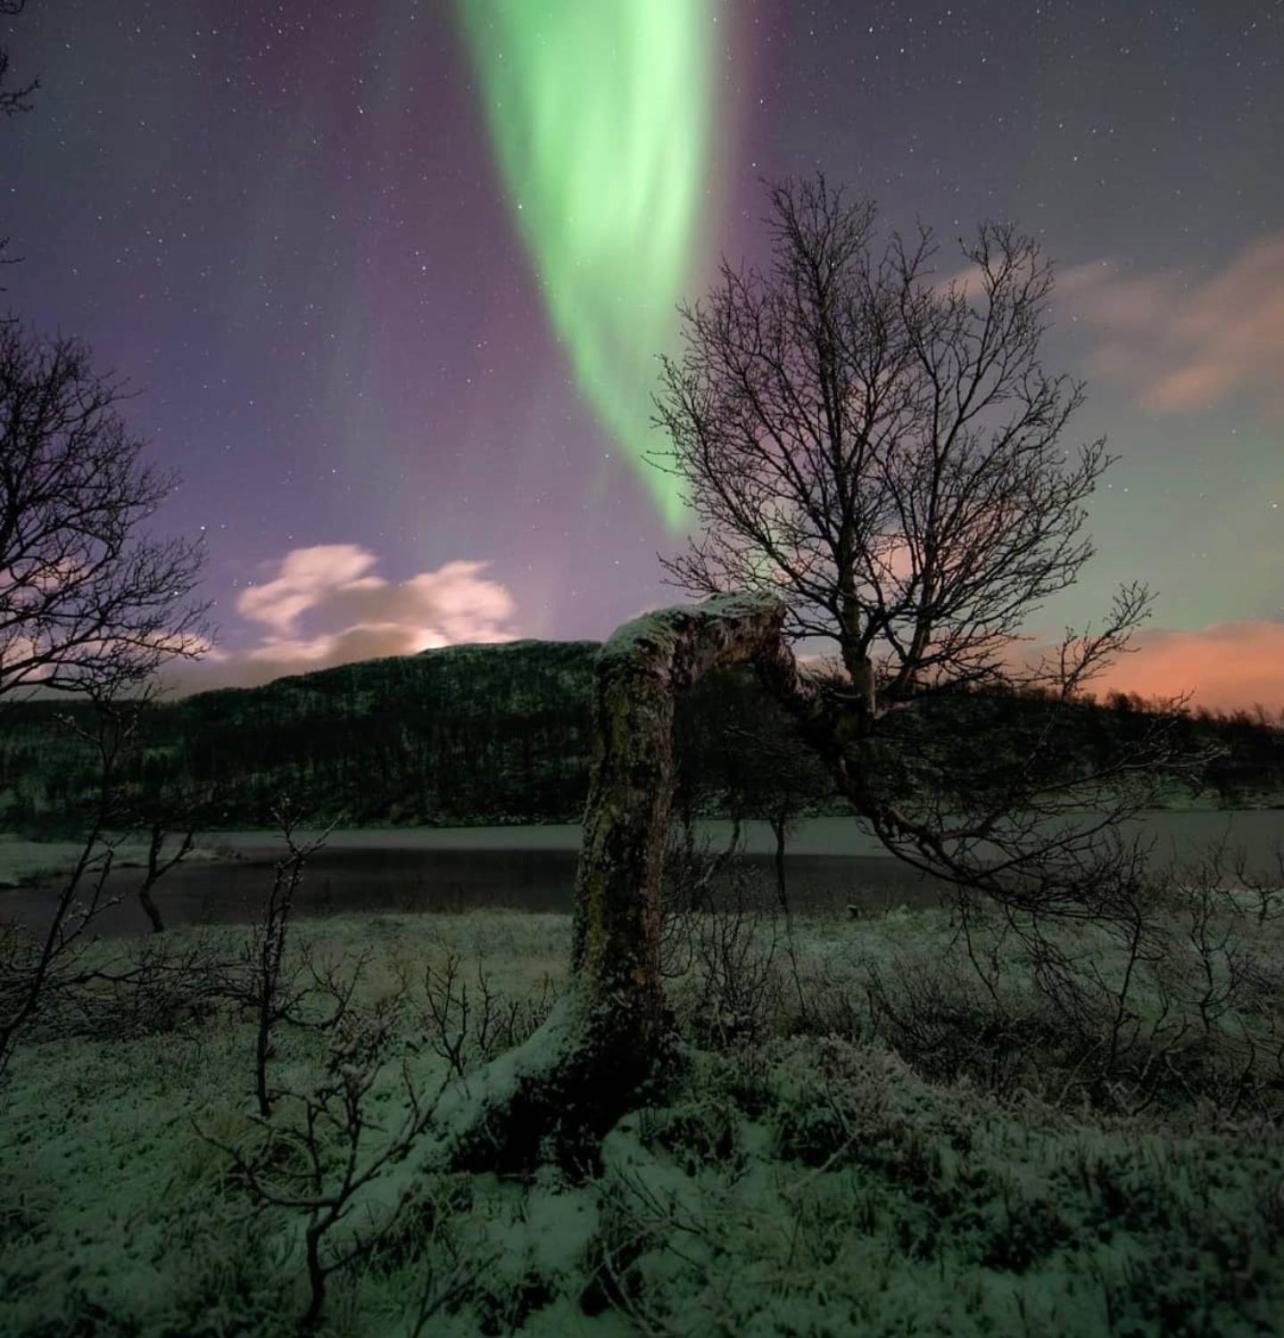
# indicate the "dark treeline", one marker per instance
pixel 473 733
pixel 495 734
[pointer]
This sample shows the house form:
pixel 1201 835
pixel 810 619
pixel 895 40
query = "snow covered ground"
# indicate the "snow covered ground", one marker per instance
pixel 796 1176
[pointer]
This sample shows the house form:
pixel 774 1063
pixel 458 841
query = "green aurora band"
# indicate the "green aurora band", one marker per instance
pixel 600 112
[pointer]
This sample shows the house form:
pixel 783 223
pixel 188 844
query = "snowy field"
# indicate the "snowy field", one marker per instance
pixel 861 1138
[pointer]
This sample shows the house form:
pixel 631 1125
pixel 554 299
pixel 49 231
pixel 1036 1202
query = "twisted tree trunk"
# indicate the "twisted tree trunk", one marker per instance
pixel 577 1074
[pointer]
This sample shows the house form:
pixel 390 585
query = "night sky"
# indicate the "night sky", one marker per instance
pixel 391 279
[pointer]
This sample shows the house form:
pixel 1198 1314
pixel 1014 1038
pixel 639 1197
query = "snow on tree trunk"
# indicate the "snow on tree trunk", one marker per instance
pixel 575 1076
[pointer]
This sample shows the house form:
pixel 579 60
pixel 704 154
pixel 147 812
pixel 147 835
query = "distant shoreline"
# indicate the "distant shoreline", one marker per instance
pixel 27 863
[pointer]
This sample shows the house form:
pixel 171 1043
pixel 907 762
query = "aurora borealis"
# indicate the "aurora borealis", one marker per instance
pixel 391 278
pixel 602 130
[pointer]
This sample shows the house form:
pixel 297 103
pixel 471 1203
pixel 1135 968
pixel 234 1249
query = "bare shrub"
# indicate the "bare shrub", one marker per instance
pixel 835 1005
pixel 466 1026
pixel 1164 1002
pixel 274 987
pixel 324 1146
pixel 38 971
pixel 939 1020
pixel 635 1221
pixel 143 987
pixel 158 865
pixel 1266 889
pixel 686 889
pixel 46 975
pixel 733 990
pixel 33 965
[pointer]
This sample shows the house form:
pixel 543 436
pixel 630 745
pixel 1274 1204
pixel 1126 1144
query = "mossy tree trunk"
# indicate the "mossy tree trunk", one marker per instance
pixel 615 955
pixel 576 1075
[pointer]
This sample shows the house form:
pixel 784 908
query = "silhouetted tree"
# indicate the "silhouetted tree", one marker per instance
pixel 33 965
pixel 84 600
pixel 885 452
pixel 776 782
pixel 740 755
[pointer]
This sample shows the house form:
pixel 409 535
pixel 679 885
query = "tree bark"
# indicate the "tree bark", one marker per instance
pixel 778 827
pixel 145 899
pixel 575 1077
pixel 150 909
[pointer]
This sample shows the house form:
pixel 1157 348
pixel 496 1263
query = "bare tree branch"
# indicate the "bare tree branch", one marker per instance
pixel 83 598
pixel 883 450
pixel 13 100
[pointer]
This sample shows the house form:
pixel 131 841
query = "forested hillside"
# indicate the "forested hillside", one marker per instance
pixel 500 733
pixel 494 733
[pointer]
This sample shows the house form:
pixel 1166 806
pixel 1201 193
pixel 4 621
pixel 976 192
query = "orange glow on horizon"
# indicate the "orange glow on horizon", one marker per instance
pixel 1226 666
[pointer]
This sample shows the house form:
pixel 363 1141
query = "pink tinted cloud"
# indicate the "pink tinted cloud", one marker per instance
pixel 305 576
pixel 326 605
pixel 1187 343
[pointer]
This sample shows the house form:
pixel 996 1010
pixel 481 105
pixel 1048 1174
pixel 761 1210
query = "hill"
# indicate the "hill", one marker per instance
pixel 501 733
pixel 469 733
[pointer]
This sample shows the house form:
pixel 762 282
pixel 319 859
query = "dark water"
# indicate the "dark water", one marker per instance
pixel 354 872
pixel 832 863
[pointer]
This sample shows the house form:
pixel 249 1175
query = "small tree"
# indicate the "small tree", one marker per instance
pixel 884 451
pixel 83 599
pixel 272 990
pixel 34 965
pixel 737 752
pixel 86 607
pixel 774 780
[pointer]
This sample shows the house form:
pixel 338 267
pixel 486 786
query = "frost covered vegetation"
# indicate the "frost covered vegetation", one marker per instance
pixel 23 862
pixel 933 1122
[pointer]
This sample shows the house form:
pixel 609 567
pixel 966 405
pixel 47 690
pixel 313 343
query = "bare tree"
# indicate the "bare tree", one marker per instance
pixel 267 985
pixel 13 100
pixel 885 452
pixel 333 1158
pixel 159 863
pixel 83 598
pixel 48 961
pixel 87 607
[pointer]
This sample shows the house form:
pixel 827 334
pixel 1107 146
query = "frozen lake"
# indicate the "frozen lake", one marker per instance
pixel 831 862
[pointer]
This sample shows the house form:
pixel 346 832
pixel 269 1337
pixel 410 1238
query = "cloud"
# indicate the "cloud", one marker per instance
pixel 1187 344
pixel 333 585
pixel 326 605
pixel 305 578
pixel 1231 665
